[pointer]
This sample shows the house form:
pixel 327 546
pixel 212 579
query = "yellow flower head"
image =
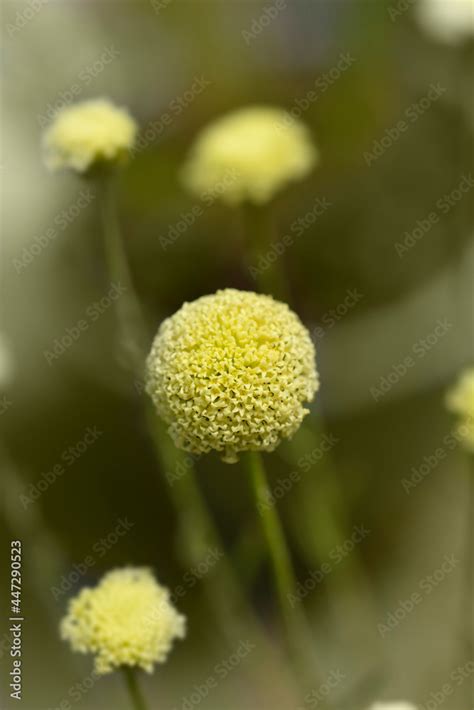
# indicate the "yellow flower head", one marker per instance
pixel 127 620
pixel 450 21
pixel 231 372
pixel 249 155
pixel 88 133
pixel 460 401
pixel 393 706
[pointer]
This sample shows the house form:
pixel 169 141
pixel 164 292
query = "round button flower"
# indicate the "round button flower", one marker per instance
pixel 231 372
pixel 127 620
pixel 89 133
pixel 450 21
pixel 460 401
pixel 249 154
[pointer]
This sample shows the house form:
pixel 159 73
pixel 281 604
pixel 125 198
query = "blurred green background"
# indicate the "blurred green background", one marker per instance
pixel 191 61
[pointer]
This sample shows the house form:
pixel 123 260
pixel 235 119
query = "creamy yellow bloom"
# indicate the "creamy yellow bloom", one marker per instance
pixel 88 133
pixel 231 372
pixel 249 155
pixel 127 620
pixel 450 21
pixel 460 401
pixel 393 706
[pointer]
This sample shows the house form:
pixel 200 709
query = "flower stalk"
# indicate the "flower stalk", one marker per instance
pixel 135 692
pixel 131 326
pixel 299 639
pixel 268 272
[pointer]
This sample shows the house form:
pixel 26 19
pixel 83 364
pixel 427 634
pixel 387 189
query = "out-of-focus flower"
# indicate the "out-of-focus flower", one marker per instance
pixel 6 362
pixel 231 372
pixel 449 21
pixel 87 134
pixel 460 401
pixel 249 155
pixel 127 620
pixel 399 705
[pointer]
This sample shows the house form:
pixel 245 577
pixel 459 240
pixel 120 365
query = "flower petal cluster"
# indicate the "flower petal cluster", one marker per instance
pixel 248 155
pixel 449 21
pixel 127 620
pixel 460 401
pixel 88 133
pixel 231 372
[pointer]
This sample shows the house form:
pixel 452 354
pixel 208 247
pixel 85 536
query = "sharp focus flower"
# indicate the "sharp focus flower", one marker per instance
pixel 127 620
pixel 460 401
pixel 450 21
pixel 89 133
pixel 231 372
pixel 249 155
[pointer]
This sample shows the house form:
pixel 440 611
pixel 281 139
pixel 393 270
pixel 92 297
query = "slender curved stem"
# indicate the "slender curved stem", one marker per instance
pixel 297 628
pixel 264 263
pixel 468 597
pixel 136 695
pixel 131 326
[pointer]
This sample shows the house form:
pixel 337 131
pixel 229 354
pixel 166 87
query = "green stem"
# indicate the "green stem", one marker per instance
pixel 282 567
pixel 235 618
pixel 138 700
pixel 296 626
pixel 265 263
pixel 467 614
pixel 131 326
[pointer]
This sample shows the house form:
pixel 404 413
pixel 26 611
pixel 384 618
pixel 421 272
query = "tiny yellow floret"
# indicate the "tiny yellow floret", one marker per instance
pixel 231 372
pixel 460 401
pixel 127 620
pixel 88 133
pixel 249 155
